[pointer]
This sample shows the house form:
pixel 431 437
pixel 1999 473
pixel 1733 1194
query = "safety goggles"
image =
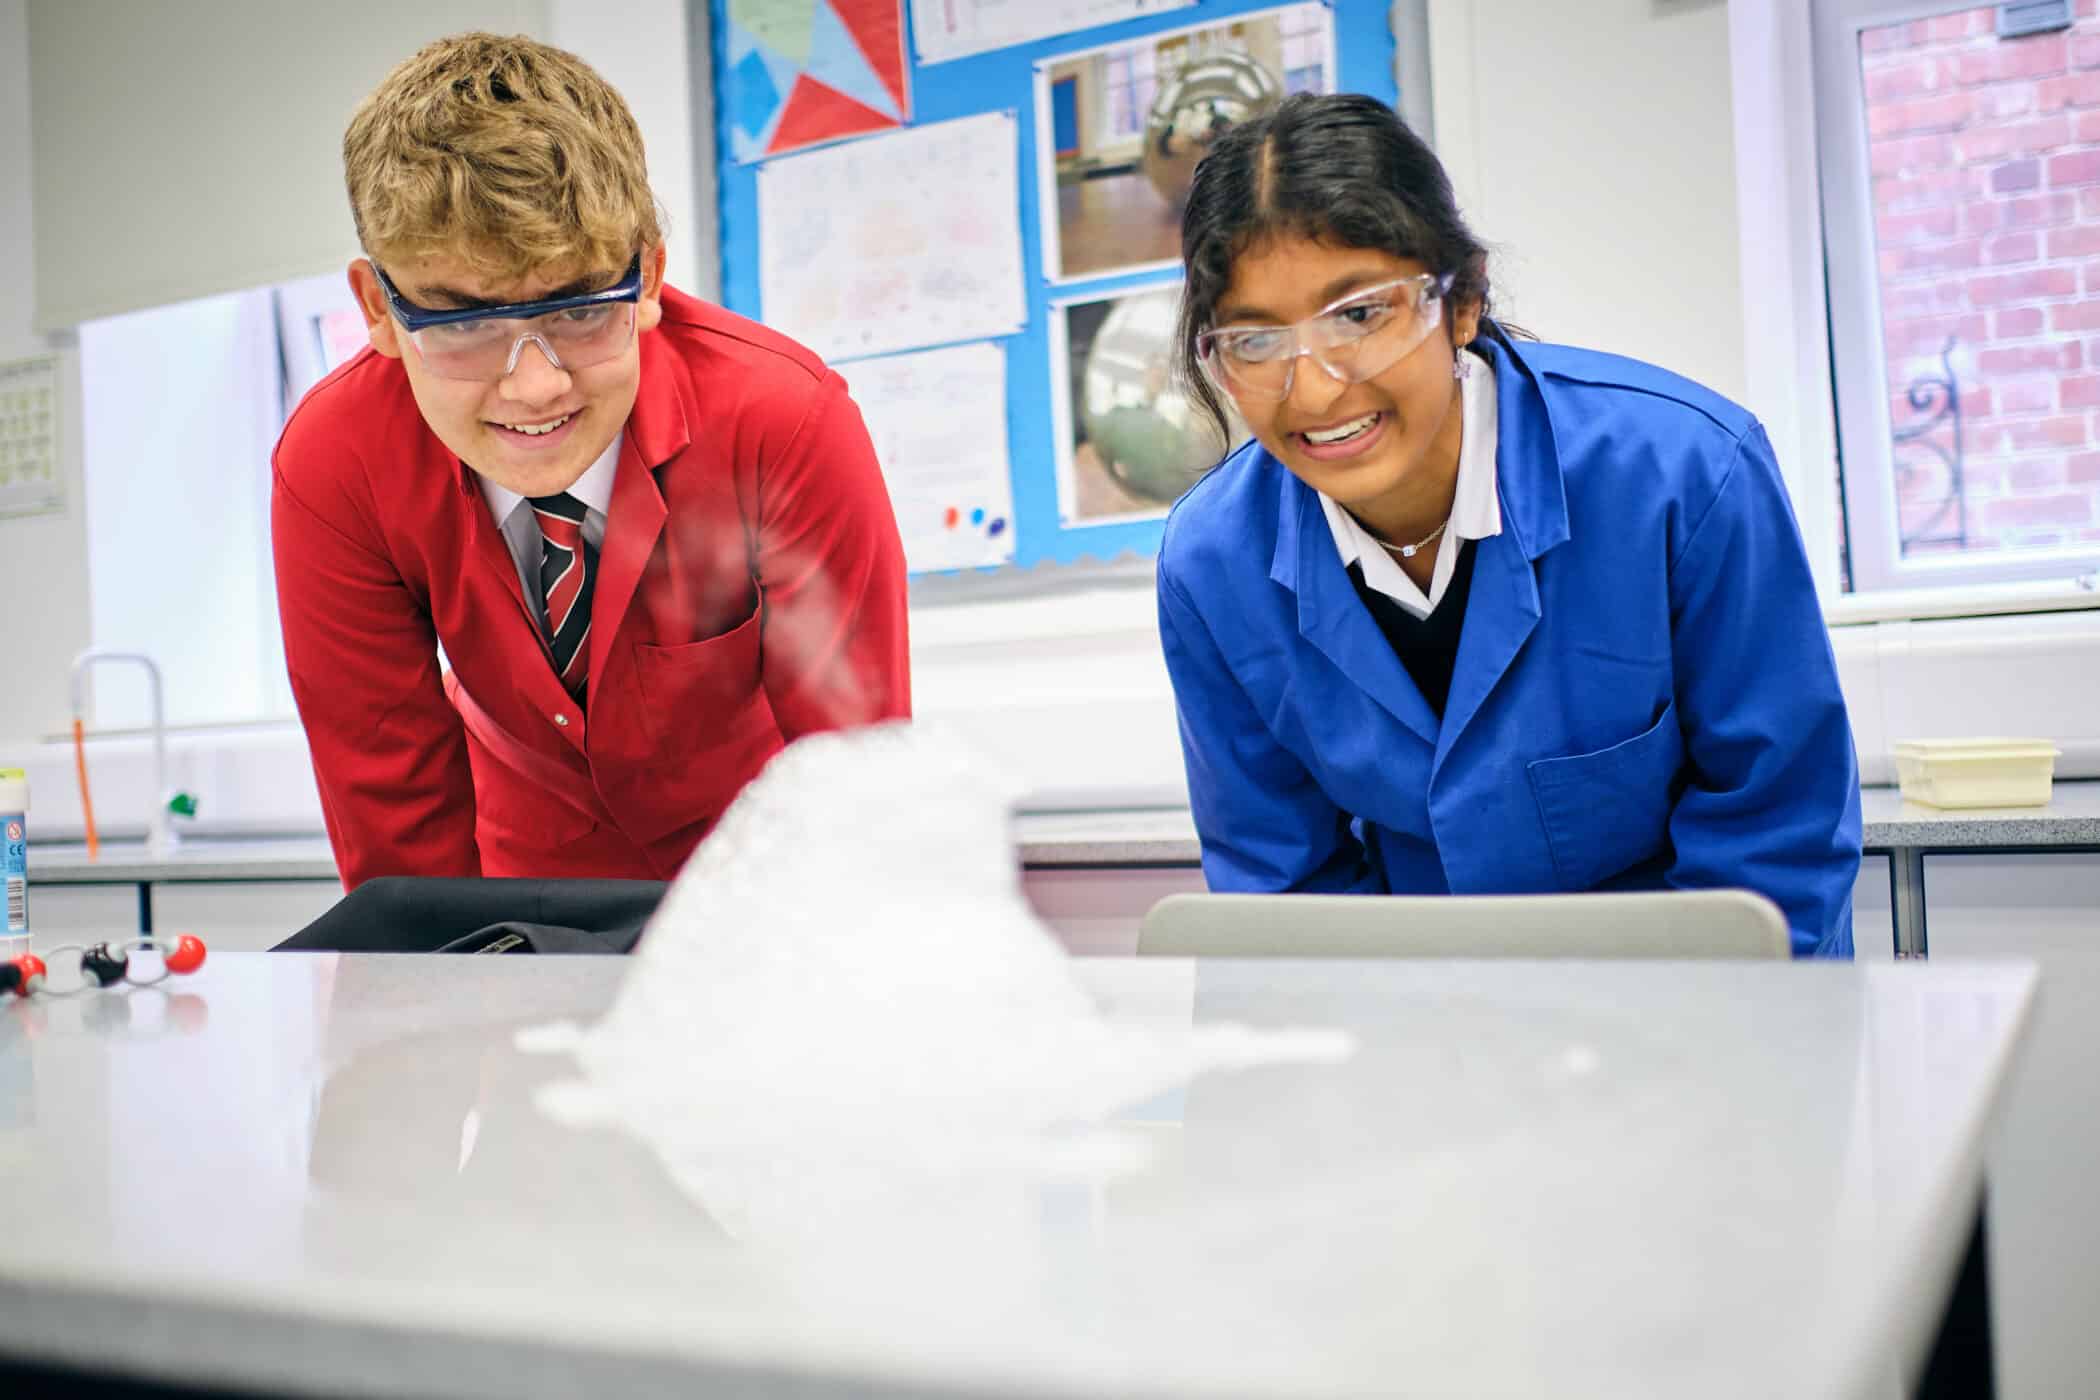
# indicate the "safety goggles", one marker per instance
pixel 1363 335
pixel 484 342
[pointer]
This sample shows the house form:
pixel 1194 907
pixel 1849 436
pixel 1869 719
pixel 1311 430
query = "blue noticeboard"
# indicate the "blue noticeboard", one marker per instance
pixel 1006 80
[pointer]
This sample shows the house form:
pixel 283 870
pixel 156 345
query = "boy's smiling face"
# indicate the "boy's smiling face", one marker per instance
pixel 486 422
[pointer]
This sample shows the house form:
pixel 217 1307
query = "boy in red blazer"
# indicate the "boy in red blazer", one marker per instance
pixel 567 555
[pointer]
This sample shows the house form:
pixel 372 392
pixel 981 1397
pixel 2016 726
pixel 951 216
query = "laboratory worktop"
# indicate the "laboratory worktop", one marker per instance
pixel 199 858
pixel 1167 836
pixel 1162 836
pixel 312 1174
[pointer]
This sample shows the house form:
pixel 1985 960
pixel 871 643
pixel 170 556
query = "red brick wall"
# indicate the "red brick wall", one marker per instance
pixel 1985 160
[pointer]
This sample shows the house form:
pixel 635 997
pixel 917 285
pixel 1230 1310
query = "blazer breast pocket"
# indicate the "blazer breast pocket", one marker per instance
pixel 1608 810
pixel 706 696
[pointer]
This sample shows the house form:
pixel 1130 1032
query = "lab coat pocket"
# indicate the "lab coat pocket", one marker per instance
pixel 706 696
pixel 1608 810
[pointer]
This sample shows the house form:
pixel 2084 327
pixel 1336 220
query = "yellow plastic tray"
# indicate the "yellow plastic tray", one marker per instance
pixel 1976 772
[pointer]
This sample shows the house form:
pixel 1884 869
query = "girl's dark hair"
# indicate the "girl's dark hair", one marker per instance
pixel 1342 169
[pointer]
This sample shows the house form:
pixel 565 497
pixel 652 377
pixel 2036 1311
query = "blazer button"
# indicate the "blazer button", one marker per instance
pixel 562 720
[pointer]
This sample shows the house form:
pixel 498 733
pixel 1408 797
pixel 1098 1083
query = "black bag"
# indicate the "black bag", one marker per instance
pixel 410 914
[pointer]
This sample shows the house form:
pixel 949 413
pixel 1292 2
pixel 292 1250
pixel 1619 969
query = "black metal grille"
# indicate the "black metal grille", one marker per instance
pixel 1932 446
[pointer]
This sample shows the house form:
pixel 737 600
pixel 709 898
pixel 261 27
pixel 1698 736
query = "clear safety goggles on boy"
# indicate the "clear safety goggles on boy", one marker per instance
pixel 484 342
pixel 1363 335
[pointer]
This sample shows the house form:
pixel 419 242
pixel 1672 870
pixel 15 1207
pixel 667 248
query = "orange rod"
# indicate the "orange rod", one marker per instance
pixel 87 804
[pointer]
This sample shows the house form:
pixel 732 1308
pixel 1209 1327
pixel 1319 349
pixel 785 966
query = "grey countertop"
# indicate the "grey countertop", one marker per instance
pixel 2072 818
pixel 1123 837
pixel 200 858
pixel 1167 836
pixel 310 1174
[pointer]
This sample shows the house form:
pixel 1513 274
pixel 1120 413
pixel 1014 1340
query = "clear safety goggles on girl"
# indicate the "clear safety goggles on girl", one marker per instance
pixel 484 342
pixel 1363 335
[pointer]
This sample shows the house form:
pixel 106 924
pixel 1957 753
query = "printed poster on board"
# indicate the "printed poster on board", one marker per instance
pixel 806 72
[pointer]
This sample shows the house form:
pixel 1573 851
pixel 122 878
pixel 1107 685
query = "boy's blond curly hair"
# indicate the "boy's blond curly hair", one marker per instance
pixel 502 151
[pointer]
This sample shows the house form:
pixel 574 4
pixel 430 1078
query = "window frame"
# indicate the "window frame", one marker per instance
pixel 1859 385
pixel 301 305
pixel 1135 85
pixel 1310 41
pixel 240 367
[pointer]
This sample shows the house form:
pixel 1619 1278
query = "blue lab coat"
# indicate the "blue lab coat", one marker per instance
pixel 1644 695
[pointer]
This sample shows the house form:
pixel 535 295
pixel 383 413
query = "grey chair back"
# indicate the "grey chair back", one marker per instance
pixel 1662 924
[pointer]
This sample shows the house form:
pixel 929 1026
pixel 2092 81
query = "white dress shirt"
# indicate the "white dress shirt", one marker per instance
pixel 521 528
pixel 1475 512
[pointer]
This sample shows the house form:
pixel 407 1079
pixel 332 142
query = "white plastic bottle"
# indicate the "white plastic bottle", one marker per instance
pixel 14 861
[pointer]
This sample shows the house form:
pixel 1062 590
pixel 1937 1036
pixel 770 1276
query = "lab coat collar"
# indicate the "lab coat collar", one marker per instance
pixel 657 430
pixel 664 405
pixel 1330 615
pixel 1502 609
pixel 1528 478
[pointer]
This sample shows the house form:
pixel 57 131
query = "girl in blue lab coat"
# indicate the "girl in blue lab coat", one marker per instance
pixel 1465 615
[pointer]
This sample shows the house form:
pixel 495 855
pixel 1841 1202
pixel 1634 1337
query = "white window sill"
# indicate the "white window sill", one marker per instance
pixel 1966 600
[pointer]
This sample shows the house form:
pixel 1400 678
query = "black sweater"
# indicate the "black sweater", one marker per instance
pixel 1427 646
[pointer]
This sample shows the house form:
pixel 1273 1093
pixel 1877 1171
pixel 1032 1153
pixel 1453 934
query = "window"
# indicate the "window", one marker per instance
pixel 1304 50
pixel 1131 81
pixel 1961 196
pixel 318 328
pixel 183 405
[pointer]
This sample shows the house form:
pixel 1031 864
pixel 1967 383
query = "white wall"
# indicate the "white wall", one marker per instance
pixel 639 46
pixel 43 560
pixel 1070 694
pixel 2022 674
pixel 1592 146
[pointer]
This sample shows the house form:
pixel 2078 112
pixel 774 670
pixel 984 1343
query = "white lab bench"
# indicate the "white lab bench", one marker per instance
pixel 2019 882
pixel 311 1174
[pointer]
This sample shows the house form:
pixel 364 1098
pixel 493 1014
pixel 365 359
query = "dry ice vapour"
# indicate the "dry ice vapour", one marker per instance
pixel 846 973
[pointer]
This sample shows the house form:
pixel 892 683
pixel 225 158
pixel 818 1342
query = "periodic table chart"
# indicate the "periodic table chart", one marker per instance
pixel 30 480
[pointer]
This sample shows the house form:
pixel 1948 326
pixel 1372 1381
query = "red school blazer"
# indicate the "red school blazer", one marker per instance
pixel 751 590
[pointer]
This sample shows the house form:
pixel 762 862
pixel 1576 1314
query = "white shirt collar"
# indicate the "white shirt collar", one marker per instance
pixel 1476 514
pixel 593 488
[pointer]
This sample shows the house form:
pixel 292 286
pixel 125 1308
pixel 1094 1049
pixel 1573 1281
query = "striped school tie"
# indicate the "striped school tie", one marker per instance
pixel 568 570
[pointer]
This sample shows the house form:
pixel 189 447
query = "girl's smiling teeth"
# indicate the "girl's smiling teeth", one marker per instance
pixel 536 429
pixel 1341 432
